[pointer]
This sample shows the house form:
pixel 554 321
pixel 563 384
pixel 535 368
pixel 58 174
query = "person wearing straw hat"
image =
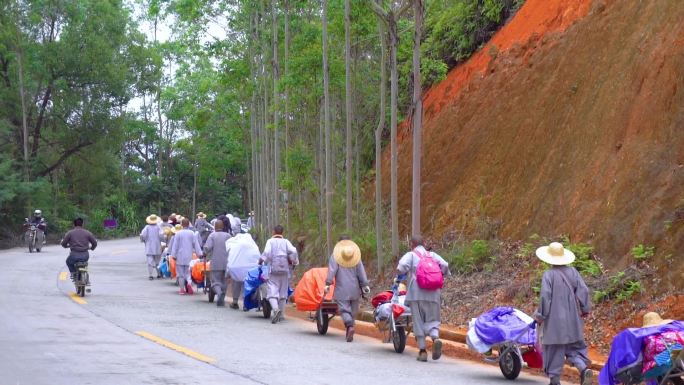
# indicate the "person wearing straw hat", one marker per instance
pixel 564 301
pixel 203 227
pixel 280 255
pixel 424 303
pixel 183 245
pixel 216 248
pixel 346 268
pixel 152 236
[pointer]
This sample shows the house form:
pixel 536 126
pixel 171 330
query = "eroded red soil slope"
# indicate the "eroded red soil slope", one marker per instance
pixel 573 124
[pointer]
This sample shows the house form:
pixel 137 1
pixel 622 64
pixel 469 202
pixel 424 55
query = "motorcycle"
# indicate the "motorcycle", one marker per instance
pixel 34 236
pixel 82 279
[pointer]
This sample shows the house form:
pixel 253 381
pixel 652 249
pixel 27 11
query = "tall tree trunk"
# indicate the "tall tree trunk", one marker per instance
pixel 348 110
pixel 22 95
pixel 276 145
pixel 417 119
pixel 160 149
pixel 394 208
pixel 321 167
pixel 253 121
pixel 287 108
pixel 378 144
pixel 328 141
pixel 194 190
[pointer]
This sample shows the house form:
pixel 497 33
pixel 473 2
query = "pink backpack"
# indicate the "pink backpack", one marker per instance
pixel 428 273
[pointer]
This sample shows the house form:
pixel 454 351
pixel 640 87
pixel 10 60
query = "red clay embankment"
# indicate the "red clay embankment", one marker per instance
pixel 570 121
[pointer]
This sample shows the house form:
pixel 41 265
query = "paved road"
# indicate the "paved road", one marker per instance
pixel 46 337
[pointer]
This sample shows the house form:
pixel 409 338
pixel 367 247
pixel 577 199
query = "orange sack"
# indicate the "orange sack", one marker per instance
pixel 309 291
pixel 172 267
pixel 198 271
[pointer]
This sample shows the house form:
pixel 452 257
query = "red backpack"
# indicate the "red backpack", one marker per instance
pixel 428 273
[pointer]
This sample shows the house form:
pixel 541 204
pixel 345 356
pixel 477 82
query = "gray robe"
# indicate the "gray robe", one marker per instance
pixel 152 236
pixel 184 243
pixel 424 304
pixel 216 247
pixel 348 281
pixel 562 323
pixel 408 264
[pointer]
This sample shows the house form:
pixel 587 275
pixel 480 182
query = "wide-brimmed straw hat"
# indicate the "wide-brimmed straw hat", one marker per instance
pixel 201 215
pixel 555 254
pixel 347 253
pixel 176 228
pixel 653 319
pixel 152 219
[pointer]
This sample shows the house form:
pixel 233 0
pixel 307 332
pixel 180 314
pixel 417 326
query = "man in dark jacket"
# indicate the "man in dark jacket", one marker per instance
pixel 79 240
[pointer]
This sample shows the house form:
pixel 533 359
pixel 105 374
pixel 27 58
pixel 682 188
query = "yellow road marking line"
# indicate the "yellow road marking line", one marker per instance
pixel 63 276
pixel 119 252
pixel 178 348
pixel 77 299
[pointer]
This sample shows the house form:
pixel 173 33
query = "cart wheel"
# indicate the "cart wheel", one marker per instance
pixel 211 295
pixel 399 339
pixel 266 308
pixel 510 363
pixel 322 321
pixel 671 381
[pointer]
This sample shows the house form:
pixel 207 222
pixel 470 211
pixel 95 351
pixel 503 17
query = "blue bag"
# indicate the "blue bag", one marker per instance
pixel 164 268
pixel 255 278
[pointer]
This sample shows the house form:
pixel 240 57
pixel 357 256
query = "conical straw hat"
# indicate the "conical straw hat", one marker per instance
pixel 555 254
pixel 347 253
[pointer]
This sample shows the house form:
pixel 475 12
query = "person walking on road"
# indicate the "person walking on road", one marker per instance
pixel 183 245
pixel 564 301
pixel 203 227
pixel 152 235
pixel 280 255
pixel 250 220
pixel 427 271
pixel 346 268
pixel 216 248
pixel 79 240
pixel 243 255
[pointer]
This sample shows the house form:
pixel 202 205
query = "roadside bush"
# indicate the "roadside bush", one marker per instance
pixel 642 252
pixel 585 262
pixel 620 288
pixel 469 257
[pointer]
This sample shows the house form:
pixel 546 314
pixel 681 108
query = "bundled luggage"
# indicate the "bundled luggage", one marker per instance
pixel 308 295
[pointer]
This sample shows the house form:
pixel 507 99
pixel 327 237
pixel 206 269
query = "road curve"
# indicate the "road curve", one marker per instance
pixel 134 331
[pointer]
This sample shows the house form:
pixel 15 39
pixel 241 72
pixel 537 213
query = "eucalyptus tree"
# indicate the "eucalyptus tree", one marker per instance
pixel 328 139
pixel 417 118
pixel 390 17
pixel 348 110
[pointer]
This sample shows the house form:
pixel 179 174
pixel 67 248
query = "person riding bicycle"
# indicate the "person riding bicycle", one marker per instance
pixel 79 240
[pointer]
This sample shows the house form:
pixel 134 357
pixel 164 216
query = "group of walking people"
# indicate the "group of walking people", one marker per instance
pixel 221 242
pixel 564 297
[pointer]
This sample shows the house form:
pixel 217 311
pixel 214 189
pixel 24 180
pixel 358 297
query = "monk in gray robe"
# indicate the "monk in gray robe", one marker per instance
pixel 564 300
pixel 152 236
pixel 183 245
pixel 346 268
pixel 280 255
pixel 203 228
pixel 424 304
pixel 216 247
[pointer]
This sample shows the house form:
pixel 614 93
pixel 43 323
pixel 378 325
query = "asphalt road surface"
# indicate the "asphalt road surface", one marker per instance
pixel 130 330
